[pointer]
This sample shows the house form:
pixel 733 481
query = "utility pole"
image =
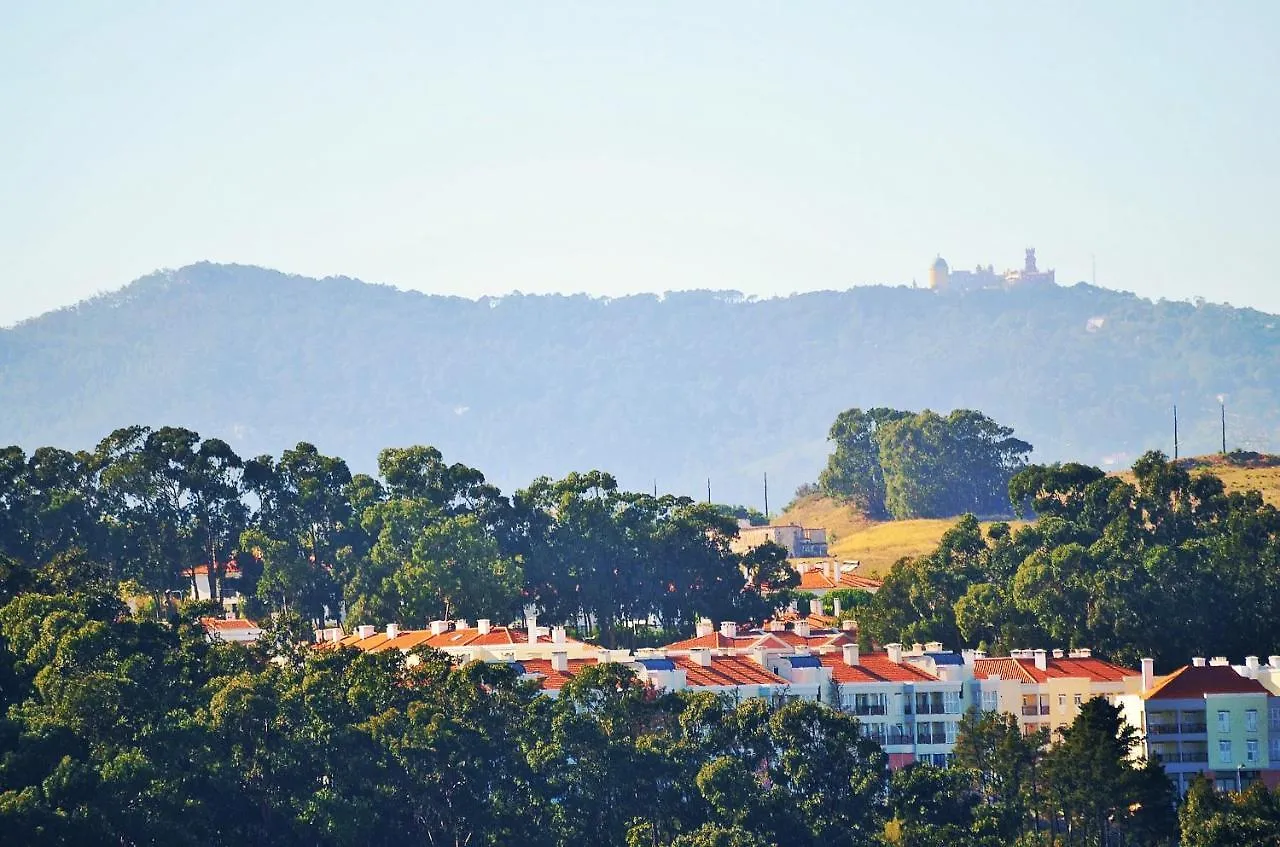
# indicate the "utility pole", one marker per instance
pixel 708 491
pixel 1175 432
pixel 1223 406
pixel 766 494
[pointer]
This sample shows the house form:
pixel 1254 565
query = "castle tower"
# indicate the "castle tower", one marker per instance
pixel 938 273
pixel 1029 266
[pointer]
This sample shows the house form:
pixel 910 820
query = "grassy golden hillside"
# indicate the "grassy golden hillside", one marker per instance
pixel 877 544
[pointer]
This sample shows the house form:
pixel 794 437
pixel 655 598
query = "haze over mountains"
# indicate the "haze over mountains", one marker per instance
pixel 677 388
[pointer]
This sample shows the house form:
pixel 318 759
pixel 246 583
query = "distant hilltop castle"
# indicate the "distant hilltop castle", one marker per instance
pixel 942 278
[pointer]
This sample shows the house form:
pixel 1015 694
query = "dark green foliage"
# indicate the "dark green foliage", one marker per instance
pixel 897 464
pixel 1128 569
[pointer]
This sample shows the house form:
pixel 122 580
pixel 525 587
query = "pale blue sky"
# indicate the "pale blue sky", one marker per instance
pixel 477 148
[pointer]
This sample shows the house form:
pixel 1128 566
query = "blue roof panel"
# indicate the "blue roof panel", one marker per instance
pixel 658 664
pixel 805 661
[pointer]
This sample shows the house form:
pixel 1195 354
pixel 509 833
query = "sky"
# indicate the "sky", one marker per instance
pixel 482 148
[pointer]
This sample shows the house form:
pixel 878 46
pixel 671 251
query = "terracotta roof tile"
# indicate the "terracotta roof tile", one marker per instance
pixel 1191 682
pixel 1005 668
pixel 726 671
pixel 222 625
pixel 553 680
pixel 874 667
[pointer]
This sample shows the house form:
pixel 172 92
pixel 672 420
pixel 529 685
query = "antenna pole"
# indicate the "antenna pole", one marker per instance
pixel 766 495
pixel 1223 406
pixel 708 490
pixel 1175 432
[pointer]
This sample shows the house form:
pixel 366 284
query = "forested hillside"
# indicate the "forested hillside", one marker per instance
pixel 678 388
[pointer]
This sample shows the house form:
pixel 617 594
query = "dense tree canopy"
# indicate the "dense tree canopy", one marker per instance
pixel 1132 569
pixel 892 463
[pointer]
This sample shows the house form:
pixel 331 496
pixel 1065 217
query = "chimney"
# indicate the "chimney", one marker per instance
pixel 1218 662
pixel 802 629
pixel 815 607
pixel 319 636
pixel 1057 653
pixel 461 623
pixel 836 602
pixel 557 635
pixel 365 631
pixel 393 630
pixel 531 624
pixel 482 626
pixel 933 647
pixel 1042 660
pixel 335 634
pixel 705 627
pixel 559 661
pixel 895 653
pixel 729 629
pixel 701 655
pixel 1197 661
pixel 850 654
pixel 979 654
pixel 837 571
pixel 849 626
pixel 1252 666
pixel 1273 661
pixel 439 627
pixel 1148 674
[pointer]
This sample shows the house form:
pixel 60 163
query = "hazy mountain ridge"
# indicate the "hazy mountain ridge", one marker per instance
pixel 679 387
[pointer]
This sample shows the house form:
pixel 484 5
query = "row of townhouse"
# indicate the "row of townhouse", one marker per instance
pixel 908 699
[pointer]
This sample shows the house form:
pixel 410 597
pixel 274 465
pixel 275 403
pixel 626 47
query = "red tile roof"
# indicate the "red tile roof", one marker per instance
pixel 553 680
pixel 221 625
pixel 726 671
pixel 1025 670
pixel 874 667
pixel 816 580
pixel 1191 682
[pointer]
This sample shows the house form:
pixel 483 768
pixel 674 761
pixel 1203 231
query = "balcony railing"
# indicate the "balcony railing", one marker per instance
pixel 866 709
pixel 1193 728
pixel 1169 758
pixel 898 738
pixel 1035 710
pixel 932 709
pixel 932 738
pixel 1175 729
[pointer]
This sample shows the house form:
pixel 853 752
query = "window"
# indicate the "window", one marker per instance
pixel 1251 751
pixel 1224 750
pixel 1062 701
pixel 1224 721
pixel 1079 698
pixel 990 701
pixel 951 702
pixel 1275 717
pixel 951 733
pixel 1251 720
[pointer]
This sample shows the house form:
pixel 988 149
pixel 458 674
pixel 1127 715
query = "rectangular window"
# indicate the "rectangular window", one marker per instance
pixel 951 733
pixel 1224 721
pixel 951 702
pixel 1224 751
pixel 1251 720
pixel 1079 698
pixel 1251 751
pixel 990 701
pixel 1062 701
pixel 1275 717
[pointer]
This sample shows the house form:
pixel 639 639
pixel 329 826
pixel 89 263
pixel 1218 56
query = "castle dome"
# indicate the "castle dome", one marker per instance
pixel 940 264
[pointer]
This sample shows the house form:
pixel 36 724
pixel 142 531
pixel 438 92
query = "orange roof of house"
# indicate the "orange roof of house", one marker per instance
pixel 222 625
pixel 231 569
pixel 470 637
pixel 874 667
pixel 726 671
pixel 1025 670
pixel 553 680
pixel 1191 682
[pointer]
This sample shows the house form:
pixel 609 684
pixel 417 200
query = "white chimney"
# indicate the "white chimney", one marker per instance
pixel 461 623
pixel 850 654
pixel 319 635
pixel 895 653
pixel 559 661
pixel 482 626
pixel 1148 674
pixel 531 624
pixel 1197 661
pixel 837 571
pixel 815 607
pixel 729 629
pixel 557 635
pixel 1273 661
pixel 849 626
pixel 366 631
pixel 393 630
pixel 705 627
pixel 1218 661
pixel 1252 666
pixel 1057 653
pixel 933 647
pixel 802 629
pixel 836 602
pixel 1042 660
pixel 335 633
pixel 439 627
pixel 701 655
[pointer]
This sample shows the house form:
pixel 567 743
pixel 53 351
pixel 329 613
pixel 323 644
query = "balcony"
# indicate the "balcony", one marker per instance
pixel 1036 710
pixel 868 709
pixel 1199 756
pixel 1193 728
pixel 898 738
pixel 932 738
pixel 1176 729
pixel 933 709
